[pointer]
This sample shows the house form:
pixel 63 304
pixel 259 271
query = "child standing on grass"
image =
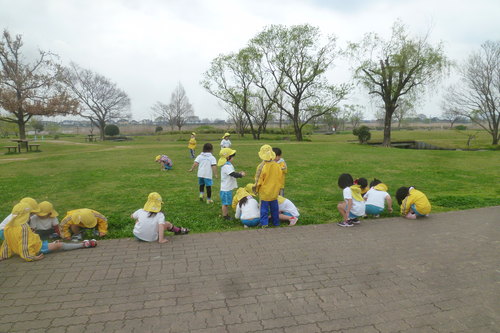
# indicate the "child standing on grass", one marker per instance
pixel 225 143
pixel 150 224
pixel 413 202
pixel 376 197
pixel 207 167
pixel 353 205
pixel 78 220
pixel 192 144
pixel 288 211
pixel 268 186
pixel 45 222
pixel 284 170
pixel 21 240
pixel 165 162
pixel 227 179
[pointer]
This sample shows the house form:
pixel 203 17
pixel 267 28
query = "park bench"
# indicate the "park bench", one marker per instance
pixel 11 148
pixel 36 146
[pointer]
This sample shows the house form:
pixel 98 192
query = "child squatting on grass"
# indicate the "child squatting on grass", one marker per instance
pixel 78 221
pixel 165 162
pixel 413 202
pixel 353 205
pixel 247 208
pixel 376 197
pixel 227 179
pixel 207 168
pixel 150 224
pixel 21 240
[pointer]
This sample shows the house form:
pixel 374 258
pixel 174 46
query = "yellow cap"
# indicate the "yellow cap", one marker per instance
pixel 193 133
pixel 84 217
pixel 46 208
pixel 32 203
pixel 224 154
pixel 266 153
pixel 226 134
pixel 20 214
pixel 250 188
pixel 154 203
pixel 157 158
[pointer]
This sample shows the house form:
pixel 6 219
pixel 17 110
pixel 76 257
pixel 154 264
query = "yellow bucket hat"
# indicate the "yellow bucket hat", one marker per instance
pixel 224 154
pixel 266 153
pixel 281 199
pixel 240 194
pixel 20 214
pixel 226 134
pixel 84 217
pixel 250 189
pixel 154 203
pixel 32 203
pixel 193 133
pixel 157 158
pixel 46 208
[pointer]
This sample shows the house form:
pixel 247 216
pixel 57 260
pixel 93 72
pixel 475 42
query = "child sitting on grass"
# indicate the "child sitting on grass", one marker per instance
pixel 376 197
pixel 34 209
pixel 353 205
pixel 227 179
pixel 150 224
pixel 207 168
pixel 413 202
pixel 45 222
pixel 21 240
pixel 165 162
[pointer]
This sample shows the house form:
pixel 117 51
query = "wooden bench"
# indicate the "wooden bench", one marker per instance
pixel 11 148
pixel 31 146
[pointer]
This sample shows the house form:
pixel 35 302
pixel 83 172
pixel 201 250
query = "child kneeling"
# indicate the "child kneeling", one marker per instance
pixel 150 224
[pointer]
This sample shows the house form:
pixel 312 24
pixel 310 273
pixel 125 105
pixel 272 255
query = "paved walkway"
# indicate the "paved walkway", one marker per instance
pixel 438 274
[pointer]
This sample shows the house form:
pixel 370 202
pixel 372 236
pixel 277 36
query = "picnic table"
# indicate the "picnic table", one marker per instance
pixel 91 138
pixel 21 143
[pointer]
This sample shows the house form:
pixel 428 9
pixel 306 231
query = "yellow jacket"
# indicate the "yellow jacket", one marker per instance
pixel 422 204
pixel 22 241
pixel 284 171
pixel 192 143
pixel 102 223
pixel 268 184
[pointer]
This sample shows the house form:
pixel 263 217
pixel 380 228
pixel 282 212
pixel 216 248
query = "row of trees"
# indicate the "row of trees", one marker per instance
pixel 43 87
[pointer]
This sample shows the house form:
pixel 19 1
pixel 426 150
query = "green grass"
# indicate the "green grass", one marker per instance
pixel 115 178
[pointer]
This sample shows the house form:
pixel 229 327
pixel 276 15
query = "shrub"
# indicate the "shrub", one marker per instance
pixel 363 133
pixel 111 130
pixel 461 127
pixel 158 129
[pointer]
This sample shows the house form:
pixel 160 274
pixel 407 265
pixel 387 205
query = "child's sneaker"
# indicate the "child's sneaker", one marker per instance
pixel 345 224
pixel 210 201
pixel 355 221
pixel 293 220
pixel 182 231
pixel 227 218
pixel 89 243
pixel 411 216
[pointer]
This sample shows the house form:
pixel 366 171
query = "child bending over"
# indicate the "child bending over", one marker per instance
pixel 413 202
pixel 353 205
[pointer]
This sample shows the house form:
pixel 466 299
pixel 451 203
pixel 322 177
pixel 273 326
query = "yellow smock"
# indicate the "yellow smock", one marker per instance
pixel 102 223
pixel 422 204
pixel 269 182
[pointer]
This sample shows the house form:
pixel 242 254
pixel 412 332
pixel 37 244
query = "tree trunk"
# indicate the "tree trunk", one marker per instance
pixel 389 110
pixel 297 130
pixel 101 126
pixel 22 129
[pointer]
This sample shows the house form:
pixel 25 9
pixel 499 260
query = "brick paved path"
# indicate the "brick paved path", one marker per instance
pixel 389 275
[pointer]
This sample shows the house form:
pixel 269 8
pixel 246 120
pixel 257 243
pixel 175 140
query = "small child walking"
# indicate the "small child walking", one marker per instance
pixel 150 224
pixel 225 142
pixel 165 162
pixel 413 202
pixel 376 197
pixel 227 179
pixel 353 205
pixel 207 168
pixel 284 170
pixel 192 144
pixel 45 222
pixel 268 185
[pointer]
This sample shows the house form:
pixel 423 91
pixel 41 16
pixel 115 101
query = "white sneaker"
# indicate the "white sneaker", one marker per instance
pixel 293 220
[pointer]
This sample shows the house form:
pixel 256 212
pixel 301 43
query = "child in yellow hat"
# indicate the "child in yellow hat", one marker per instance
pixel 268 185
pixel 27 200
pixel 78 220
pixel 165 162
pixel 21 240
pixel 225 143
pixel 45 222
pixel 192 144
pixel 227 179
pixel 247 208
pixel 288 211
pixel 150 224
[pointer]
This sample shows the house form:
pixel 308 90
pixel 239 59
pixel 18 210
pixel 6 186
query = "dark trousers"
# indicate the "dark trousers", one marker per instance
pixel 264 212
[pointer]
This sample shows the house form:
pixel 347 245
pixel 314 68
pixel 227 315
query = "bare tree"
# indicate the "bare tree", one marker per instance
pixel 29 89
pixel 405 110
pixel 238 117
pixel 101 99
pixel 450 113
pixel 477 96
pixel 180 106
pixel 165 113
pixel 400 66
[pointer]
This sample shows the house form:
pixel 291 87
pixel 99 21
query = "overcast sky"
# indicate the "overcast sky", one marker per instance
pixel 148 46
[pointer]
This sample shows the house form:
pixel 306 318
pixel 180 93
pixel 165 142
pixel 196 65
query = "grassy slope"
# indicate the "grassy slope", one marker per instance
pixel 115 178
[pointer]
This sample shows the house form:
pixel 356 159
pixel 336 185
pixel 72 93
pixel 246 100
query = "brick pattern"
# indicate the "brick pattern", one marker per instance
pixel 437 274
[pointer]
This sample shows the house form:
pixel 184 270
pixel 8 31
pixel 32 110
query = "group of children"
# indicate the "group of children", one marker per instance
pixel 362 200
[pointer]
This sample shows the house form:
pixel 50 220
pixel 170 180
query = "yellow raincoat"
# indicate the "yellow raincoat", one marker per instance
pixel 21 240
pixel 417 198
pixel 269 182
pixel 102 223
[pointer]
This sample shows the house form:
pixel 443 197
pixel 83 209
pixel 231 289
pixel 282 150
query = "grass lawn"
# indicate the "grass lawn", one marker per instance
pixel 115 178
